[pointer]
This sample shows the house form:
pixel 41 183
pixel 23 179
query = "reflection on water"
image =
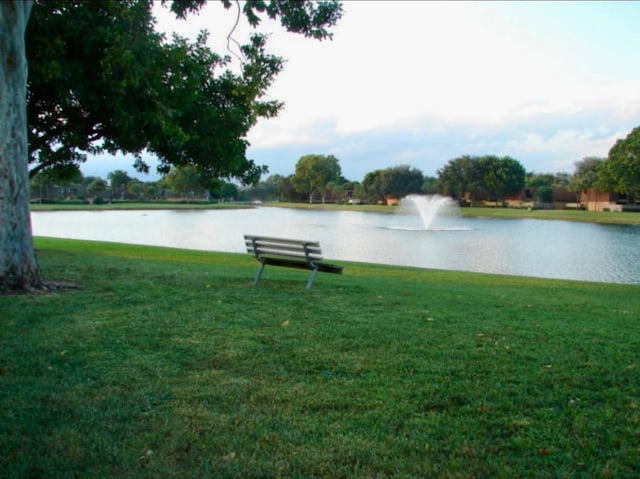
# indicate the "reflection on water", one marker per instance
pixel 552 249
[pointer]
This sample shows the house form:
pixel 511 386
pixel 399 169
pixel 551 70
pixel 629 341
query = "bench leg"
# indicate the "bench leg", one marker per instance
pixel 258 274
pixel 312 278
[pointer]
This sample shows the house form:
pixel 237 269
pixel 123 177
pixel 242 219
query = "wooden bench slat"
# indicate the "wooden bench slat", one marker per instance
pixel 291 263
pixel 291 253
pixel 271 248
pixel 330 268
pixel 271 239
pixel 298 256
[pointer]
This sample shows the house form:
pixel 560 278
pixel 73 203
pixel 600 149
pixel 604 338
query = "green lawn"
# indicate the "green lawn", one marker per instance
pixel 133 205
pixel 604 217
pixel 168 363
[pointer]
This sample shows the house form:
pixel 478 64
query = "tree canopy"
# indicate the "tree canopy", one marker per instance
pixel 621 171
pixel 314 173
pixel 587 174
pixel 459 176
pixel 185 181
pixel 103 80
pixel 397 181
pixel 501 176
pixel 118 181
pixel 498 176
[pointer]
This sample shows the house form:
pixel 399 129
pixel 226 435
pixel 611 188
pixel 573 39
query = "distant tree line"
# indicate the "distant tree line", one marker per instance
pixel 460 178
pixel 184 184
pixel 318 178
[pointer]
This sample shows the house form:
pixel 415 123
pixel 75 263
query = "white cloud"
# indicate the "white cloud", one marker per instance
pixel 406 63
pixel 547 83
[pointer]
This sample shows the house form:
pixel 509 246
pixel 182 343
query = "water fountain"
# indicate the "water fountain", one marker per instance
pixel 430 207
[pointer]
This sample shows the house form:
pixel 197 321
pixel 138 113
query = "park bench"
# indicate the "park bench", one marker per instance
pixel 290 253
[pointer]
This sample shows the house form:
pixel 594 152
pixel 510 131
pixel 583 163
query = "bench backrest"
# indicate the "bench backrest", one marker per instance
pixel 262 246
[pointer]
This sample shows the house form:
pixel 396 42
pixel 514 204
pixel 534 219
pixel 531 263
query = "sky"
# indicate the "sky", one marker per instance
pixel 420 83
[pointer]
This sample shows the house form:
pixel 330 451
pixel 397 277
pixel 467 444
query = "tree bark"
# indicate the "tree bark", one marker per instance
pixel 19 269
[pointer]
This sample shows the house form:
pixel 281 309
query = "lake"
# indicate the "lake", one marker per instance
pixel 548 249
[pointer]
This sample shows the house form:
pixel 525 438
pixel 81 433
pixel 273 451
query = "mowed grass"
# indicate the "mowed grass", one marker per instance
pixel 135 205
pixel 602 217
pixel 168 363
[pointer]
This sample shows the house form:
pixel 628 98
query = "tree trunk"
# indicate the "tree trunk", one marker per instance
pixel 19 269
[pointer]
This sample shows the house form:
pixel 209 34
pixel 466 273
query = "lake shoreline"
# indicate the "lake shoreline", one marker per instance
pixel 560 249
pixel 599 217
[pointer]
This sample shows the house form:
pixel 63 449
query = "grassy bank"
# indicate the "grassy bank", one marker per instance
pixel 134 205
pixel 606 217
pixel 169 364
pixel 602 217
